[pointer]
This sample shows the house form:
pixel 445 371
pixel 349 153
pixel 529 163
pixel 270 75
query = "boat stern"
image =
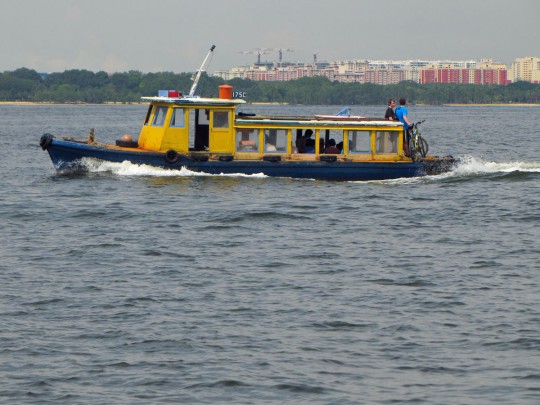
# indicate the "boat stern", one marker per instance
pixel 437 165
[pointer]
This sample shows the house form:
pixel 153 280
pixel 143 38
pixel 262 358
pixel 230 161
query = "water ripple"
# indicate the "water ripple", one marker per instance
pixel 141 286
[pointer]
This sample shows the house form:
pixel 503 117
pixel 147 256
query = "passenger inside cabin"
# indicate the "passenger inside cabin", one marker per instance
pixel 269 147
pixel 247 146
pixel 247 140
pixel 331 148
pixel 301 143
pixel 310 146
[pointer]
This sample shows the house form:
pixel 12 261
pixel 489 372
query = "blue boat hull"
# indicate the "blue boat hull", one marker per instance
pixel 68 155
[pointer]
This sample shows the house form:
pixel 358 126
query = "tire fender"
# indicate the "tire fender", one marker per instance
pixel 171 156
pixel 45 141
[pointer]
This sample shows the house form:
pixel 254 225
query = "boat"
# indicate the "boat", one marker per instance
pixel 211 135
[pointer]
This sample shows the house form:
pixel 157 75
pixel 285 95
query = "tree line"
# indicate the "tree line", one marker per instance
pixel 84 86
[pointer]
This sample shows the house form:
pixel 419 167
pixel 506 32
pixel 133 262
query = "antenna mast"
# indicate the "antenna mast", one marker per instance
pixel 199 72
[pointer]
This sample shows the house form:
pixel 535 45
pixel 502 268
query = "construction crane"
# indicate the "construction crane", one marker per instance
pixel 280 52
pixel 258 52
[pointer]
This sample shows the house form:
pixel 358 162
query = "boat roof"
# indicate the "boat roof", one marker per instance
pixel 316 121
pixel 194 101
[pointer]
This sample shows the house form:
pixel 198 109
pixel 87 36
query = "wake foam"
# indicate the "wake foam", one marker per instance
pixel 470 165
pixel 131 169
pixel 467 167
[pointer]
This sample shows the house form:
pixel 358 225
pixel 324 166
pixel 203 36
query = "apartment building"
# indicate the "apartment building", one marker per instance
pixel 483 71
pixel 525 69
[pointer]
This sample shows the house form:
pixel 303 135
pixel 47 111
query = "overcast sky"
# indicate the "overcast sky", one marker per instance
pixel 175 35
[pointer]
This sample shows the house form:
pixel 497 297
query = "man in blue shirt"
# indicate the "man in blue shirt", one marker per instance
pixel 401 114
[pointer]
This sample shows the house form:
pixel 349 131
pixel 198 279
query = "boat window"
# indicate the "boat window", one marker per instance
pixel 275 140
pixel 221 119
pixel 159 117
pixel 148 114
pixel 177 119
pixel 386 141
pixel 247 140
pixel 304 141
pixel 359 142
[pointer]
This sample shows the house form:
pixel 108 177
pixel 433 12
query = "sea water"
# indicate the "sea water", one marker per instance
pixel 131 284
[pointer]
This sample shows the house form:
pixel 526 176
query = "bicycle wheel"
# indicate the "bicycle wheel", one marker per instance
pixel 414 152
pixel 423 146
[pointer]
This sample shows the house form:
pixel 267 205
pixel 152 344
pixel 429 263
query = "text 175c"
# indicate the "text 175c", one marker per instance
pixel 239 94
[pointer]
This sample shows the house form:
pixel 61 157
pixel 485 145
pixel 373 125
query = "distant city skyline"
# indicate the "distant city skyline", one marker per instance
pixel 263 62
pixel 174 35
pixel 483 71
pixel 269 61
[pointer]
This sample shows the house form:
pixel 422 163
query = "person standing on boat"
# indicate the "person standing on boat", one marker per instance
pixel 402 115
pixel 390 113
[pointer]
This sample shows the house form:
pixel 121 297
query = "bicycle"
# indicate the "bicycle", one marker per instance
pixel 418 146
